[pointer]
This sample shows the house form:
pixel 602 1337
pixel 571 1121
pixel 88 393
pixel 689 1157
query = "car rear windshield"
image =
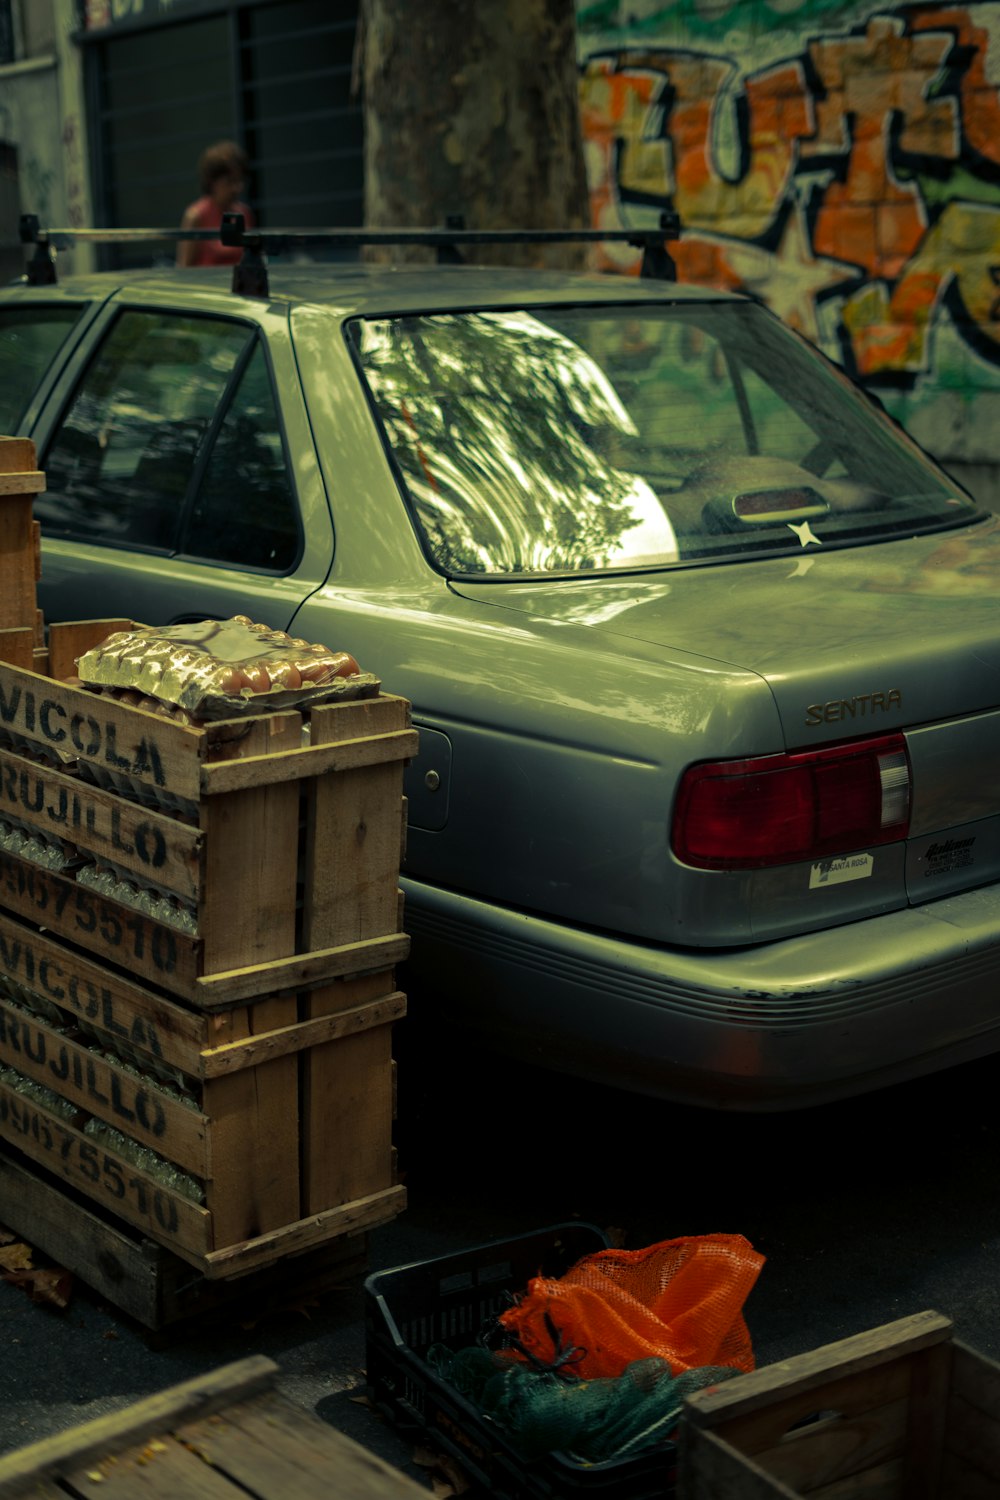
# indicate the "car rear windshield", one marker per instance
pixel 564 439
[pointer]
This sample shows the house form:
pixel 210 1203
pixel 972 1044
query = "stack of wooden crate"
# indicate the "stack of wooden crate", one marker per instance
pixel 224 1087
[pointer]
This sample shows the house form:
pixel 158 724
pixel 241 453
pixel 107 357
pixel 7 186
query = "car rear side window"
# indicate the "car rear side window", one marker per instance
pixel 30 338
pixel 171 442
pixel 245 512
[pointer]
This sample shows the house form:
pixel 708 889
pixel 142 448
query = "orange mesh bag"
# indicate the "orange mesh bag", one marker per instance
pixel 680 1300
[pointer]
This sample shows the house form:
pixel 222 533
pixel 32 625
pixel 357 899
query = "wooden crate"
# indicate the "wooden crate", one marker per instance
pixel 144 1279
pixel 225 1435
pixel 902 1412
pixel 277 1009
pixel 20 550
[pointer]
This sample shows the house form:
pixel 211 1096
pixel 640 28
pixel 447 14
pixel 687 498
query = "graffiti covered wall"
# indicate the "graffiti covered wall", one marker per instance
pixel 839 159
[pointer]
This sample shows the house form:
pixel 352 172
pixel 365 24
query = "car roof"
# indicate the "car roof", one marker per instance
pixel 362 289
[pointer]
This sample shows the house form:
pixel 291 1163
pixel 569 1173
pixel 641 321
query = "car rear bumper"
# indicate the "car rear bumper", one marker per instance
pixel 777 1026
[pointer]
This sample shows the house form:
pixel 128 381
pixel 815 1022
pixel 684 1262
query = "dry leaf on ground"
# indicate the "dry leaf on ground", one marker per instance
pixel 15 1256
pixel 53 1287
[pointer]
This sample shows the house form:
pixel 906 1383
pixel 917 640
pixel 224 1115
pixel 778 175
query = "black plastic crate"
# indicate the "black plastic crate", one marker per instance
pixel 450 1300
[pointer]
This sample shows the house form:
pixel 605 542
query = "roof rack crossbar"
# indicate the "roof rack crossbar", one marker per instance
pixel 256 244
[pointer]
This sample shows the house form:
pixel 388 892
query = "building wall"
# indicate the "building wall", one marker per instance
pixel 839 159
pixel 43 155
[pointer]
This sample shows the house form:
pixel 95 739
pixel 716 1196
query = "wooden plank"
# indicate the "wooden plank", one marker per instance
pixel 204 1394
pixel 159 1468
pixel 709 1469
pixel 28 483
pixel 973 1437
pixel 880 1483
pixel 817 1368
pixel 272 1448
pixel 254 1164
pixel 103 1175
pixel 295 765
pixel 154 847
pixel 248 1051
pixel 101 1000
pixel 17 647
pixel 69 639
pixel 247 904
pixel 349 1218
pixel 960 1480
pixel 109 1258
pixel 153 751
pixel 930 1383
pixel 852 1396
pixel 17 555
pixel 976 1378
pixel 353 838
pixel 298 972
pixel 835 1448
pixel 135 1106
pixel 128 938
pixel 18 455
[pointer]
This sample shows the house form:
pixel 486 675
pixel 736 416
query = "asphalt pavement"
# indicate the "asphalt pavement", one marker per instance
pixel 865 1211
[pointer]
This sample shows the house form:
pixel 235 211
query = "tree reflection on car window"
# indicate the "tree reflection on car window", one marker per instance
pixel 576 438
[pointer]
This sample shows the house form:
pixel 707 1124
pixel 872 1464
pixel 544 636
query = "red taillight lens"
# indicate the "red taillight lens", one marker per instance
pixel 776 809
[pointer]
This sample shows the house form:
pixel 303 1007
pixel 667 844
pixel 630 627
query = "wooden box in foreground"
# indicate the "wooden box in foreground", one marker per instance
pixel 225 1435
pixel 222 1083
pixel 902 1412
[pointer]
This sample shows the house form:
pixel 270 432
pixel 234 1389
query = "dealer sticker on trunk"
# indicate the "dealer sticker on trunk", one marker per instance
pixel 836 871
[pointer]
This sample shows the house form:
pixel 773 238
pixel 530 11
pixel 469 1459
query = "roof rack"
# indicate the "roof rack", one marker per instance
pixel 250 274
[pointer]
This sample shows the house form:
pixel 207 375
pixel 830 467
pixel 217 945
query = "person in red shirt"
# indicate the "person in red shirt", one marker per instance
pixel 222 169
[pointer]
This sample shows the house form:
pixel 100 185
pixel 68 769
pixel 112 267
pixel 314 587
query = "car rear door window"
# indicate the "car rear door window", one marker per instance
pixel 244 512
pixel 30 338
pixel 124 456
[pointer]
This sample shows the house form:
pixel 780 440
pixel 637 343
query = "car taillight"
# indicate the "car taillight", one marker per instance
pixel 776 809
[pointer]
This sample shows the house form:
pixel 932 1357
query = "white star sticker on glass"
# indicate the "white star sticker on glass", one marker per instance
pixel 805 534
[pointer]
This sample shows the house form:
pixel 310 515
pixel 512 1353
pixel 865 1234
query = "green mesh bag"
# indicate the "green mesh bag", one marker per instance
pixel 543 1412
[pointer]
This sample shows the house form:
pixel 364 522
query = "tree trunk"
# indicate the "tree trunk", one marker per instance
pixel 471 108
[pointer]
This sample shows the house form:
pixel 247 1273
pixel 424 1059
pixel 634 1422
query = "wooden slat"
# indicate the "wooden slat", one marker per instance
pixel 124 936
pixel 300 971
pixel 141 1110
pixel 103 1175
pixel 961 1480
pixel 204 1394
pixel 251 1050
pixel 69 639
pixel 349 1218
pixel 157 849
pixel 159 1469
pixel 295 765
pixel 973 1437
pixel 17 647
pixel 18 455
pixel 351 876
pixel 817 1368
pixel 111 1258
pixel 157 752
pixel 930 1382
pixel 272 1448
pixel 22 484
pixel 99 998
pixel 853 1396
pixel 976 1379
pixel 836 1448
pixel 254 1166
pixel 883 1482
pixel 709 1469
pixel 246 911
